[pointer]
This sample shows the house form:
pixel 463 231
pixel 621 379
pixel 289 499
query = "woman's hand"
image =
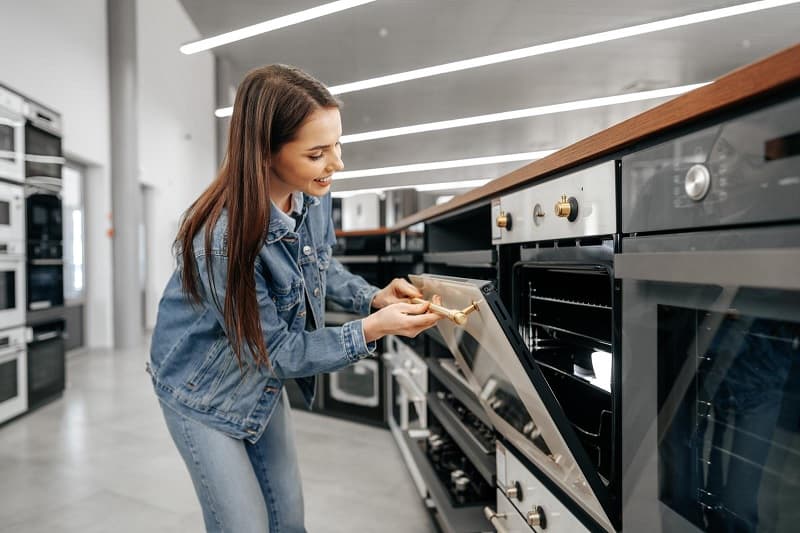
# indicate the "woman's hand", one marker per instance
pixel 401 318
pixel 399 290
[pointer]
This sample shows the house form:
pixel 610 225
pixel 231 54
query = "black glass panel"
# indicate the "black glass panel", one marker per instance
pixel 5 213
pixel 9 388
pixel 729 419
pixel 8 292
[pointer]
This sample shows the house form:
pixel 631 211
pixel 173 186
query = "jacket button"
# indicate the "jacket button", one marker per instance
pixel 316 291
pixel 307 249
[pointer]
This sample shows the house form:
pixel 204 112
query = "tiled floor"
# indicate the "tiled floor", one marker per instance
pixel 100 460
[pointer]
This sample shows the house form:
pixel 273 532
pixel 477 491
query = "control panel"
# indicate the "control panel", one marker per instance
pixel 579 204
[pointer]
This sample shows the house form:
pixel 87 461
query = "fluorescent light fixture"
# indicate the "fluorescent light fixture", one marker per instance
pixel 520 113
pixel 557 46
pixel 427 187
pixel 439 165
pixel 271 25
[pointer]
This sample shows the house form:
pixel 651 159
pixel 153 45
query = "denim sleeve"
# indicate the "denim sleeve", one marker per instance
pixel 349 290
pixel 343 287
pixel 292 354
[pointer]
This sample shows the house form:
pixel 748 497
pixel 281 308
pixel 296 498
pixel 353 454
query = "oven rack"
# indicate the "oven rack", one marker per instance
pixel 529 338
pixel 444 370
pixel 451 519
pixel 570 302
pixel 481 458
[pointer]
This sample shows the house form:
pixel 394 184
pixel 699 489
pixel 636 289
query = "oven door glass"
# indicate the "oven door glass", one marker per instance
pixel 45 286
pixel 45 221
pixel 513 391
pixel 12 222
pixel 10 147
pixel 43 156
pixel 711 388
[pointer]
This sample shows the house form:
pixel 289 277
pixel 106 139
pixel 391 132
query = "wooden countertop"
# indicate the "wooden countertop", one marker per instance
pixel 753 81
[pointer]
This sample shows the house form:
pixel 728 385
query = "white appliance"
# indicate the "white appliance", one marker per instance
pixel 12 136
pixel 13 373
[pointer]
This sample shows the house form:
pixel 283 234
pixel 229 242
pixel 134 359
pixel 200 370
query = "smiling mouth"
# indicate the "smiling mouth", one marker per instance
pixel 324 181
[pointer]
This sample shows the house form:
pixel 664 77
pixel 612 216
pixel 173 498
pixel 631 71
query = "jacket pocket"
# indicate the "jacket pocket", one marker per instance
pixel 286 298
pixel 209 361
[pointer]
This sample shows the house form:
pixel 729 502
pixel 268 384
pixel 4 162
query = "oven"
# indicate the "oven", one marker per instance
pixel 13 374
pixel 44 159
pixel 46 363
pixel 12 215
pixel 12 136
pixel 12 287
pixel 44 213
pixel 542 356
pixel 406 379
pixel 711 328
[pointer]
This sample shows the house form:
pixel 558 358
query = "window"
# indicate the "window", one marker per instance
pixel 73 207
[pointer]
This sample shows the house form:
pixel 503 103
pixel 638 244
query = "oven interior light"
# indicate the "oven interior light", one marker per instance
pixel 601 363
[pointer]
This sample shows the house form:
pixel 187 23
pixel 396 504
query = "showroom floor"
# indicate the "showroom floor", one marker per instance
pixel 100 459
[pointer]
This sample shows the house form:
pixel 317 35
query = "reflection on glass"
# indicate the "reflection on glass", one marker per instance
pixel 729 419
pixel 498 392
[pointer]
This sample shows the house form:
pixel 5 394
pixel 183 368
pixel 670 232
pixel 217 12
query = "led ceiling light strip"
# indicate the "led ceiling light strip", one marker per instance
pixel 520 113
pixel 270 25
pixel 427 187
pixel 556 46
pixel 565 44
pixel 439 165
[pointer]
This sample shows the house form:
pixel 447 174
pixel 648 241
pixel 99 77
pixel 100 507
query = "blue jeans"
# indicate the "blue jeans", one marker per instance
pixel 243 487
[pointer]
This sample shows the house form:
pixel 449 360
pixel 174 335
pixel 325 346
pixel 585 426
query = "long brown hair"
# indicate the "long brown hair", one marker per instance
pixel 271 104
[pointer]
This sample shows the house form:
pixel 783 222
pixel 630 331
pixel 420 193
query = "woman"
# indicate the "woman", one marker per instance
pixel 243 311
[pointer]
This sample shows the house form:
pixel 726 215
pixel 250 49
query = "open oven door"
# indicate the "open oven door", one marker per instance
pixel 514 393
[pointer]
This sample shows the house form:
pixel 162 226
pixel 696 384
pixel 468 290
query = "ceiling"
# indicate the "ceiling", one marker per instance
pixel 390 36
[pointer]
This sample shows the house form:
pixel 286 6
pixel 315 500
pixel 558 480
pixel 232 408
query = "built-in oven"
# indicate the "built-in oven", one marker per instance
pixel 12 214
pixel 12 136
pixel 711 328
pixel 406 379
pixel 46 363
pixel 13 373
pixel 43 210
pixel 44 158
pixel 12 286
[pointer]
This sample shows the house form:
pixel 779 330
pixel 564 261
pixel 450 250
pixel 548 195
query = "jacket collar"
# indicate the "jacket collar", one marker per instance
pixel 278 228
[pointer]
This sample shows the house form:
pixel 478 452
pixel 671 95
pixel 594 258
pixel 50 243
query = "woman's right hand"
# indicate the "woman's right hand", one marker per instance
pixel 405 319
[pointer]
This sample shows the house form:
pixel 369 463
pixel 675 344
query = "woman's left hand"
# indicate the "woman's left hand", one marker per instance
pixel 399 290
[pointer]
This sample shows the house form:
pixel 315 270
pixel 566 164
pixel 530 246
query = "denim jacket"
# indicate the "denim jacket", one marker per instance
pixel 192 365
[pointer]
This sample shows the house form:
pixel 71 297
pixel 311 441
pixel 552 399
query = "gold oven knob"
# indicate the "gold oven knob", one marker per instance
pixel 537 518
pixel 504 220
pixel 567 208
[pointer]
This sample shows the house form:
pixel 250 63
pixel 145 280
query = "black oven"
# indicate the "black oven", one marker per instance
pixel 44 214
pixel 44 159
pixel 563 306
pixel 46 363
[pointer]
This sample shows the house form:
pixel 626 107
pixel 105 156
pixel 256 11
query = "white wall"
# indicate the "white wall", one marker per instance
pixel 176 130
pixel 56 52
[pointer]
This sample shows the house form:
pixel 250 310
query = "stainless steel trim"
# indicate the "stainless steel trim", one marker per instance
pixel 345 259
pixel 409 387
pixel 494 518
pixel 45 159
pixel 768 268
pixel 46 336
pixel 47 262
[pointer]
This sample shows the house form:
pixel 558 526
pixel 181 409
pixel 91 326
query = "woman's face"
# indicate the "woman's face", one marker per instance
pixel 308 162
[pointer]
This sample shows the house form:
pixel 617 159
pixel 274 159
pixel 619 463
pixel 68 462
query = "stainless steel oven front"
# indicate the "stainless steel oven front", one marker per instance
pixel 12 287
pixel 710 273
pixel 711 381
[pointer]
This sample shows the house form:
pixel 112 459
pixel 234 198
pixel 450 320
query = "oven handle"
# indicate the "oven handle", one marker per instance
pixel 41 337
pixel 407 384
pixel 494 518
pixel 767 269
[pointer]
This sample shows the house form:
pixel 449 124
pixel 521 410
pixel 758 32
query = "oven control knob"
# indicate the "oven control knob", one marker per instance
pixel 504 220
pixel 537 518
pixel 697 182
pixel 514 492
pixel 538 214
pixel 567 208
